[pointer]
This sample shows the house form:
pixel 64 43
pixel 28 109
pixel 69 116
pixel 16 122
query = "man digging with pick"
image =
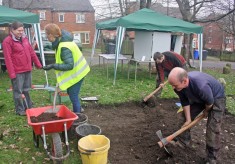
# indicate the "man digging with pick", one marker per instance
pixel 200 92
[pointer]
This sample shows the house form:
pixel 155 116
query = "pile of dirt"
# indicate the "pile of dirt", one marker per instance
pixel 132 133
pixel 45 117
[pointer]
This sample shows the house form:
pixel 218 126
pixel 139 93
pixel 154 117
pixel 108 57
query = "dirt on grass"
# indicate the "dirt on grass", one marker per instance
pixel 133 140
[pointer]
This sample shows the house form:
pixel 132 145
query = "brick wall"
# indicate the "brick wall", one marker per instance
pixel 70 24
pixel 217 35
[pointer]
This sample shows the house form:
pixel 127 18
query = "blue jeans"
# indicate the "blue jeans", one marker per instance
pixel 73 93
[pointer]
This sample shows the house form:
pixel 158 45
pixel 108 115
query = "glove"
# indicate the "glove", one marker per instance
pixel 48 67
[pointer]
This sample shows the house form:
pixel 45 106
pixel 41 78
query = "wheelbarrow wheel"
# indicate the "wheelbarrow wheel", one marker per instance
pixel 57 149
pixel 35 140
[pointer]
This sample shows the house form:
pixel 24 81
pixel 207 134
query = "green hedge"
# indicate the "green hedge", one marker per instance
pixel 228 57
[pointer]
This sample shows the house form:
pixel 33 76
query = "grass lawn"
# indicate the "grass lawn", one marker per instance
pixel 16 142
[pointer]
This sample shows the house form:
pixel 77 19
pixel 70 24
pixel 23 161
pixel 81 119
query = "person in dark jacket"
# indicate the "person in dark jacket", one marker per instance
pixel 165 62
pixel 19 55
pixel 71 67
pixel 200 92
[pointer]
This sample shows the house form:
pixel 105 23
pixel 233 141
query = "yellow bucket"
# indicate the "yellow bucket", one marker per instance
pixel 94 149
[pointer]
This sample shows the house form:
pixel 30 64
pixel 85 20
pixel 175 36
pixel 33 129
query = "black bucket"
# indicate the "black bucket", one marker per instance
pixel 82 119
pixel 87 129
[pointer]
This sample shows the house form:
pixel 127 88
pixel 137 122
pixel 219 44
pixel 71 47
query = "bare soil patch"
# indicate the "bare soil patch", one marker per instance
pixel 132 133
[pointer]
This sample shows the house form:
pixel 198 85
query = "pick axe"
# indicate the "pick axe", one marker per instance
pixel 164 141
pixel 144 101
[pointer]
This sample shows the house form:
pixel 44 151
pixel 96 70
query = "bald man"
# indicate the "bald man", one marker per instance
pixel 200 92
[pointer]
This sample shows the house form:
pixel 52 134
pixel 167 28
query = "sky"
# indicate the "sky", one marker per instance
pixel 102 7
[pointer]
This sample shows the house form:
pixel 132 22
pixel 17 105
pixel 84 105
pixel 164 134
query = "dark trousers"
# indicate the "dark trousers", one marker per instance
pixel 21 85
pixel 213 130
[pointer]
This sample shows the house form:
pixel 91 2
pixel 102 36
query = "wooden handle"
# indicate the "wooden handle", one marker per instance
pixel 172 136
pixel 155 91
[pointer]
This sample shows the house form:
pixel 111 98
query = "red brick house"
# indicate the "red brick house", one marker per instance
pixel 216 39
pixel 75 16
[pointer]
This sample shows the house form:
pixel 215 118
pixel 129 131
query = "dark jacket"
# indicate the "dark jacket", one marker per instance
pixel 202 88
pixel 171 61
pixel 66 54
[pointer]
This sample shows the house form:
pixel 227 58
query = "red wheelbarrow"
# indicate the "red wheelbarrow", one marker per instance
pixel 40 129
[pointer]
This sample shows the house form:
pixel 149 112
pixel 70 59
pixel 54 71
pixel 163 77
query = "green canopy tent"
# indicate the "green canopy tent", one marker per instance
pixel 146 20
pixel 9 15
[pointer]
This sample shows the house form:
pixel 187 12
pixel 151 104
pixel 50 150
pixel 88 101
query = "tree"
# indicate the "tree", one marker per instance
pixel 227 23
pixel 145 4
pixel 190 11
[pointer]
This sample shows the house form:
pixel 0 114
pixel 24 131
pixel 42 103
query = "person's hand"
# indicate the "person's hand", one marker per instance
pixel 205 112
pixel 186 123
pixel 48 67
pixel 162 85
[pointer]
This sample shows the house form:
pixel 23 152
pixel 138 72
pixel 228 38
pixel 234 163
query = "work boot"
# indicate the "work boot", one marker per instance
pixel 21 113
pixel 81 111
pixel 186 143
pixel 181 142
pixel 209 161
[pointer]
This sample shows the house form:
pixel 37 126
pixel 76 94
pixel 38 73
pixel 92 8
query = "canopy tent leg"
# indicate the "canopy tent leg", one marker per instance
pixel 40 46
pixel 95 41
pixel 200 50
pixel 120 35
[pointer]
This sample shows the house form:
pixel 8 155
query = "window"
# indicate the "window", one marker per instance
pixel 42 15
pixel 209 39
pixel 85 38
pixel 210 29
pixel 77 36
pixel 61 17
pixel 228 40
pixel 80 18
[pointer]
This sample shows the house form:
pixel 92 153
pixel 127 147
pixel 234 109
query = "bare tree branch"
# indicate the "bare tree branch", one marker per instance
pixel 215 19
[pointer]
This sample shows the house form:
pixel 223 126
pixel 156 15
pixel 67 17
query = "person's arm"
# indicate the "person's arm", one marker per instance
pixel 67 58
pixel 207 109
pixel 206 95
pixel 7 51
pixel 186 110
pixel 185 105
pixel 160 73
pixel 34 58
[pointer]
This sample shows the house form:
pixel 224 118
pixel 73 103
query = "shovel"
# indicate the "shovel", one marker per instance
pixel 37 87
pixel 145 100
pixel 54 109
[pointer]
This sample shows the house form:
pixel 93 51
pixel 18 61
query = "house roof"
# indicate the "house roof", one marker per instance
pixel 55 5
